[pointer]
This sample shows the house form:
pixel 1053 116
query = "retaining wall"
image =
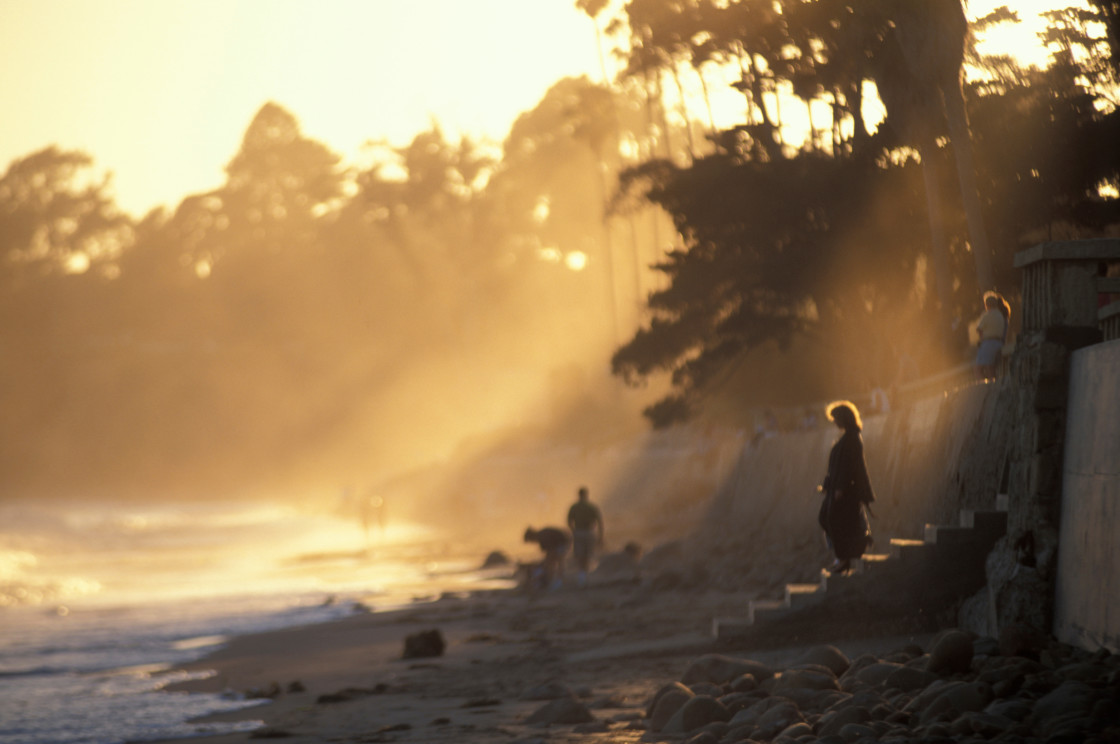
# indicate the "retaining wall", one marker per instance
pixel 926 462
pixel 1087 597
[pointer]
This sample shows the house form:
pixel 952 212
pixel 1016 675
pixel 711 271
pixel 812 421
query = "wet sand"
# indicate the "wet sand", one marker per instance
pixel 613 644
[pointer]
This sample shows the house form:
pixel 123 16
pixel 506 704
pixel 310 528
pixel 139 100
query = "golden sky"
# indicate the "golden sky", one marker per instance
pixel 160 91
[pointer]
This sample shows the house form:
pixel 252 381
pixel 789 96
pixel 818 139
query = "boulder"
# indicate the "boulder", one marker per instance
pixel 666 703
pixel 877 674
pixel 951 653
pixel 1071 700
pixel 909 679
pixel 826 656
pixel 776 720
pixel 831 723
pixel 696 713
pixel 425 644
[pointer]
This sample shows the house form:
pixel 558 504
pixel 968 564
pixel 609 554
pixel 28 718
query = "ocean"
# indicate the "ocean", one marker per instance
pixel 99 603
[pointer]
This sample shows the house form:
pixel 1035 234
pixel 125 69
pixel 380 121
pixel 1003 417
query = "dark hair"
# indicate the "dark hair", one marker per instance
pixel 995 301
pixel 846 414
pixel 583 491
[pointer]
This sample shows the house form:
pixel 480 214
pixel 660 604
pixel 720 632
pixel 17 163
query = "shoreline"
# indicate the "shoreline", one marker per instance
pixel 611 645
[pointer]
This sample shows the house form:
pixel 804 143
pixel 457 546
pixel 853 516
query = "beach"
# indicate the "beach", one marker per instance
pixel 509 656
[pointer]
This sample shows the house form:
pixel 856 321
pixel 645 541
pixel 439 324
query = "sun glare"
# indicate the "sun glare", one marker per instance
pixel 576 260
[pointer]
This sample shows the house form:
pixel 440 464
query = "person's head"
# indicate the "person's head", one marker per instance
pixel 530 534
pixel 992 300
pixel 845 415
pixel 583 493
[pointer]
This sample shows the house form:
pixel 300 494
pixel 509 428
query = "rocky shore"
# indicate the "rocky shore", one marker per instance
pixel 1019 688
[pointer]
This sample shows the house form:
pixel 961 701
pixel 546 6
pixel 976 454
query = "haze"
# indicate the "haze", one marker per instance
pixel 347 250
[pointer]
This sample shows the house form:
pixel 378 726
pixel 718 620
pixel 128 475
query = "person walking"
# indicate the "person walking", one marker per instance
pixel 847 490
pixel 586 523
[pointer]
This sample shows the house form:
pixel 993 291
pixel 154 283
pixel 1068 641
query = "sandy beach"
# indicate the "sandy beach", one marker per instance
pixel 508 653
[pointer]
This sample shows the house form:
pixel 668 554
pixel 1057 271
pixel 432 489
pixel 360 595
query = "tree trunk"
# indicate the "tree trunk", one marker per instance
pixel 939 244
pixel 966 174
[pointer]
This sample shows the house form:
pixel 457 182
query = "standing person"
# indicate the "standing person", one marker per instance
pixel 847 490
pixel 554 542
pixel 586 523
pixel 992 330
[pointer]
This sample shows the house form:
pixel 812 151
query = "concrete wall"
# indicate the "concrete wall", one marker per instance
pixel 926 462
pixel 1087 601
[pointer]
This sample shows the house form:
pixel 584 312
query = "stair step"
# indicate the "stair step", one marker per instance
pixel 910 551
pixel 760 608
pixel 870 560
pixel 728 628
pixel 950 535
pixel 803 595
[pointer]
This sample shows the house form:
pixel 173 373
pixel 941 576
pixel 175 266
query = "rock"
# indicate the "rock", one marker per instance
pixel 955 699
pixel 985 646
pixel 831 723
pixel 594 727
pixel 496 559
pixel 794 732
pixel 296 686
pixel 1014 710
pixel 806 678
pixel 1070 700
pixel 909 679
pixel 983 724
pixel 744 683
pixel 719 669
pixel 951 653
pixel 826 656
pixel 1086 671
pixel 753 714
pixel 777 719
pixel 706 688
pixel 857 732
pixel 425 644
pixel 666 703
pixel 696 713
pixel 551 690
pixel 704 737
pixel 672 686
pixel 876 674
pixel 562 711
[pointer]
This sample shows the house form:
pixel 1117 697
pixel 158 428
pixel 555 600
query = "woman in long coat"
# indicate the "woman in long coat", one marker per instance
pixel 847 490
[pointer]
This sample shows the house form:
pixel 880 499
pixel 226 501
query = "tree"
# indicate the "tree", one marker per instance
pixel 51 222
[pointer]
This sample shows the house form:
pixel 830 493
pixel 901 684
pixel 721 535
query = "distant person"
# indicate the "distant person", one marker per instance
pixel 847 490
pixel 992 332
pixel 554 542
pixel 586 523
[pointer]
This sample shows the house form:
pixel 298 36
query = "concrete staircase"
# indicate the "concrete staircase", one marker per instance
pixel 948 556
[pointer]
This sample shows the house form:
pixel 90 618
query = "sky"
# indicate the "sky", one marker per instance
pixel 160 92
